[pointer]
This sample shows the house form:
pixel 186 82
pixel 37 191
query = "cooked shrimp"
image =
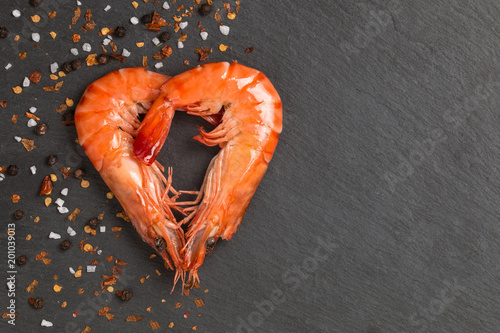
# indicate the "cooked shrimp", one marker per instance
pixel 247 110
pixel 106 120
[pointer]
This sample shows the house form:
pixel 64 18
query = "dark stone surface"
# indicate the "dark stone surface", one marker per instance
pixel 379 212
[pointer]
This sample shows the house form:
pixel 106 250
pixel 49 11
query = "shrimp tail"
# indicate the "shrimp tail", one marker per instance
pixel 153 131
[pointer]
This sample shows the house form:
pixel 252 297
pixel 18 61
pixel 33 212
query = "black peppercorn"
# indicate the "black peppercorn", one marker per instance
pixel 126 295
pixel 41 129
pixel 22 260
pixel 4 32
pixel 13 170
pixel 51 160
pixel 93 223
pixel 65 245
pixel 18 214
pixel 165 36
pixel 148 18
pixel 36 3
pixel 66 67
pixel 103 59
pixel 205 9
pixel 120 31
pixel 79 173
pixel 210 242
pixel 38 303
pixel 76 64
pixel 160 244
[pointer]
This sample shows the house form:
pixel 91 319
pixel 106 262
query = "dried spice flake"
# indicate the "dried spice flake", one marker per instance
pixel 17 90
pixel 35 77
pixel 52 14
pixel 32 286
pixel 48 201
pixel 75 18
pixel 133 318
pixel 3 104
pixel 14 118
pixel 165 52
pixel 35 18
pixel 199 302
pixel 53 35
pixel 222 47
pixel 85 183
pixel 72 216
pixel 22 55
pixel 87 329
pixel 88 15
pixel 65 172
pixel 124 216
pixel 15 198
pixel 57 288
pixel 46 188
pixel 154 325
pixel 28 144
pixel 76 38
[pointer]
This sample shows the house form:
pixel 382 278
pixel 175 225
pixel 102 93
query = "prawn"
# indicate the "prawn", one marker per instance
pixel 106 120
pixel 247 112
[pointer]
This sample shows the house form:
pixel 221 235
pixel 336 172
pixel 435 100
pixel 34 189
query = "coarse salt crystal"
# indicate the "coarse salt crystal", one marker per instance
pixel 16 13
pixel 54 67
pixel 32 109
pixel 46 323
pixel 110 37
pixel 63 210
pixel 33 169
pixel 99 252
pixel 180 45
pixel 53 235
pixel 71 270
pixel 204 35
pixel 224 29
pixel 155 41
pixel 106 42
pixel 59 202
pixel 78 3
pixel 158 65
pixel 74 51
pixel 2 176
pixel 18 139
pixel 108 7
pixel 86 47
pixel 31 123
pixel 9 65
pixel 102 228
pixel 134 20
pixel 64 191
pixel 36 37
pixel 71 231
pixel 126 53
pixel 90 269
pixel 182 25
pixel 165 5
pixel 26 82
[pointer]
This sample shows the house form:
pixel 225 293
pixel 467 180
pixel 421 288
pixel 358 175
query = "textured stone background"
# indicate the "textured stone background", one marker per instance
pixel 379 212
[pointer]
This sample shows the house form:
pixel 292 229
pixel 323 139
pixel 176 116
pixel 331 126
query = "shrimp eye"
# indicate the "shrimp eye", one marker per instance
pixel 160 244
pixel 210 242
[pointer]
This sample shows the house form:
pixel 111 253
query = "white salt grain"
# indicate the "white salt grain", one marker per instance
pixel 64 191
pixel 99 252
pixel 2 176
pixel 71 231
pixel 180 45
pixel 74 51
pixel 78 3
pixel 204 35
pixel 59 202
pixel 54 67
pixel 86 47
pixel 71 270
pixel 182 25
pixel 18 139
pixel 63 210
pixel 126 53
pixel 31 123
pixel 134 20
pixel 155 41
pixel 33 169
pixel 16 13
pixel 108 7
pixel 46 323
pixel 165 5
pixel 102 228
pixel 106 42
pixel 158 65
pixel 90 269
pixel 8 66
pixel 224 29
pixel 53 235
pixel 32 109
pixel 36 37
pixel 26 82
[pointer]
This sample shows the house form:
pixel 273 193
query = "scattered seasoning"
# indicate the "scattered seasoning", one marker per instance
pixel 13 170
pixel 160 244
pixel 76 64
pixel 165 52
pixel 205 9
pixel 171 324
pixel 222 47
pixel 32 286
pixel 4 32
pixel 148 18
pixel 18 214
pixel 36 3
pixel 65 172
pixel 66 245
pixel 41 129
pixel 38 303
pixel 52 14
pixel 133 318
pixel 35 77
pixel 76 16
pixel 126 295
pixel 46 188
pixel 199 302
pixel 48 201
pixel 93 223
pixel 3 104
pixel 66 67
pixel 17 90
pixel 51 160
pixel 203 52
pixel 120 31
pixel 57 288
pixel 72 216
pixel 164 36
pixel 178 305
pixel 22 260
pixel 103 59
pixel 249 49
pixel 29 145
pixel 15 198
pixel 154 325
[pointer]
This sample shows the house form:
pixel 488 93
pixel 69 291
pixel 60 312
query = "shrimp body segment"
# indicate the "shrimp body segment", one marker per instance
pixel 247 112
pixel 106 120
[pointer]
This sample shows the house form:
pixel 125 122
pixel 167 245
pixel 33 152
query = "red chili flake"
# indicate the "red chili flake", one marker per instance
pixel 203 52
pixel 65 172
pixel 40 255
pixel 88 15
pixel 81 244
pixel 8 314
pixel 75 18
pixel 178 305
pixel 108 259
pixel 186 62
pixel 76 38
pixel 133 318
pixel 87 329
pixel 3 104
pixel 154 325
pixel 199 302
pixel 76 314
pixel 120 262
pixel 89 26
pixel 110 316
pixel 249 49
pixel 116 270
pixel 117 56
pixel 22 55
pixel 46 187
pixel 187 314
pixel 35 77
pixel 94 262
pixel 156 23
pixel 165 52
